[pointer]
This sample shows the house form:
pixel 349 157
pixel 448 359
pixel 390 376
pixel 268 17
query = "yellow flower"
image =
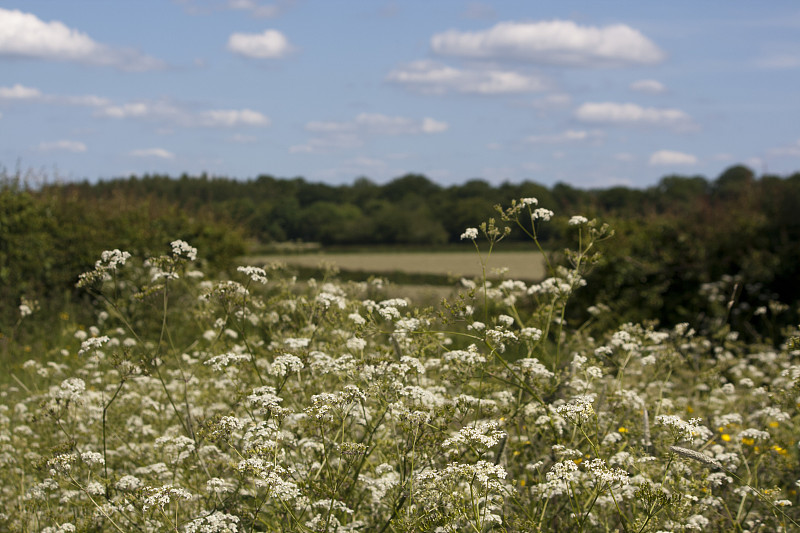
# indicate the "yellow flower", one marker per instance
pixel 780 450
pixel 578 460
pixel 521 482
pixel 516 453
pixel 689 409
pixel 726 437
pixel 623 429
pixel 747 441
pixel 773 424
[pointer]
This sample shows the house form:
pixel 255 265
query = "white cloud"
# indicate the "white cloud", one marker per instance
pixel 351 134
pixel 436 78
pixel 670 157
pixel 565 137
pixel 173 114
pixel 379 124
pixel 140 110
pixel 68 146
pixel 648 86
pixel 631 114
pixel 233 117
pixel 557 42
pixel 31 94
pixel 271 44
pixel 25 35
pixel 792 150
pixel 20 92
pixel 255 9
pixel 153 152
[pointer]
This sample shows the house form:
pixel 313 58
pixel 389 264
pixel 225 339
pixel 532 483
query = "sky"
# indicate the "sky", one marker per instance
pixel 590 93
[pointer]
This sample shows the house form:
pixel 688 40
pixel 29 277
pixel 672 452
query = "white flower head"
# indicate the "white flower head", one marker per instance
pixel 180 247
pixel 578 220
pixel 257 274
pixel 542 214
pixel 470 233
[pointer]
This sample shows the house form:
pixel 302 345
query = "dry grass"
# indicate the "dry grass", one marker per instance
pixel 521 265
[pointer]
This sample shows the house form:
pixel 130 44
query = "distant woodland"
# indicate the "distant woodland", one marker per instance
pixel 683 238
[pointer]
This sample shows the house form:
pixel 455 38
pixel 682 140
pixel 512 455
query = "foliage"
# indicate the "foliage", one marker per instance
pixel 49 236
pixel 261 404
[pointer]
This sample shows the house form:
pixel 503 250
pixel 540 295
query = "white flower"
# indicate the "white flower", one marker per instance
pixel 528 201
pixel 92 344
pixel 254 273
pixel 470 233
pixel 161 496
pixel 128 483
pixel 577 220
pixel 180 247
pixel 542 214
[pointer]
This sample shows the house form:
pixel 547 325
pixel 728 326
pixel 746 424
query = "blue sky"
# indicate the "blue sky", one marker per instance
pixel 591 93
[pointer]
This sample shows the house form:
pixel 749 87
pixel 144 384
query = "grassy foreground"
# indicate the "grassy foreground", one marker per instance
pixel 262 404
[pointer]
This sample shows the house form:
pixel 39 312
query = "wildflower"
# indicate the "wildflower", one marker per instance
pixel 580 410
pixel 180 247
pixel 529 201
pixel 161 496
pixel 254 273
pixel 541 214
pixel 578 220
pixel 128 483
pixel 214 522
pixel 682 430
pixel 92 458
pixel 470 233
pixel 283 364
pixel 92 343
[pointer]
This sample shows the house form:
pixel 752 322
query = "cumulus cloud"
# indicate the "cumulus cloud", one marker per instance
pixel 233 117
pixel 64 145
pixel 270 44
pixel 162 111
pixel 379 124
pixel 333 135
pixel 557 42
pixel 670 157
pixel 26 35
pixel 19 92
pixel 255 9
pixel 158 153
pixel 435 78
pixel 648 86
pixel 632 114
pixel 565 137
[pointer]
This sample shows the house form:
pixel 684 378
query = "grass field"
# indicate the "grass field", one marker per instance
pixel 521 265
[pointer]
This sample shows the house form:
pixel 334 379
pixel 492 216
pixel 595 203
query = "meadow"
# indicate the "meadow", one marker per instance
pixel 518 265
pixel 262 402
